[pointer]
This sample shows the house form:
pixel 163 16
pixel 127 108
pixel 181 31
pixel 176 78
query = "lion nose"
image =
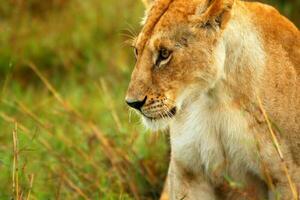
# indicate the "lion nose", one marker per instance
pixel 136 104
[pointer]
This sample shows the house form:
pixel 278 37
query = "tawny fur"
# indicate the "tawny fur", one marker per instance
pixel 225 56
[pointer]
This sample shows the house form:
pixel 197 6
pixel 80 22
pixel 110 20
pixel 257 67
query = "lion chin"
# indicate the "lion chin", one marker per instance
pixel 156 124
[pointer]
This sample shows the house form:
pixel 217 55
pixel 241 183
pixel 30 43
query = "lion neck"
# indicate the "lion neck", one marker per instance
pixel 244 60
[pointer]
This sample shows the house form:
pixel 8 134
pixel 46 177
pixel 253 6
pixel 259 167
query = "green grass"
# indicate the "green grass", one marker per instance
pixel 84 145
pixel 64 69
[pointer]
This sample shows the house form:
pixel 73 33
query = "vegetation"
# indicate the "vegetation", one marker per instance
pixel 65 130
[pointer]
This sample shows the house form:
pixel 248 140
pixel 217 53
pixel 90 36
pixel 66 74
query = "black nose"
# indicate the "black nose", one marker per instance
pixel 136 104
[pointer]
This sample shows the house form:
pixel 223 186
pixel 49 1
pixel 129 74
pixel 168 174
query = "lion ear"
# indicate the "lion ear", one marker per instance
pixel 217 14
pixel 148 3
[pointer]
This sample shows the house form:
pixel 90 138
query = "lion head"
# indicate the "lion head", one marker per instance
pixel 179 52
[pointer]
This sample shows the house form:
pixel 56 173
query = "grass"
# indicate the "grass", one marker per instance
pixel 65 130
pixel 65 77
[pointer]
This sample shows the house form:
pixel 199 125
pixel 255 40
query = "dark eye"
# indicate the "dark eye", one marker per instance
pixel 163 56
pixel 136 52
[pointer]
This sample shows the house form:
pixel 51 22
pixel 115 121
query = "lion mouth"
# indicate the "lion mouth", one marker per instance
pixel 169 114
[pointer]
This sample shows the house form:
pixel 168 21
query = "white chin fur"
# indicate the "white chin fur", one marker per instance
pixel 155 125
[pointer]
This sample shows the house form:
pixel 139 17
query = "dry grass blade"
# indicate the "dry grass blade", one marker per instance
pixel 264 167
pixel 111 105
pixel 65 140
pixel 45 81
pixel 31 178
pixel 53 91
pixel 50 149
pixel 15 175
pixel 77 189
pixel 110 151
pixel 9 119
pixel 278 149
pixel 111 154
pixel 26 131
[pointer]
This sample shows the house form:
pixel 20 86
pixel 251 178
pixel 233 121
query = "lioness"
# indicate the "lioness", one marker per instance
pixel 224 77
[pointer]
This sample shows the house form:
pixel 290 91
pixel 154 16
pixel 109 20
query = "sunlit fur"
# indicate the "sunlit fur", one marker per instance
pixel 225 56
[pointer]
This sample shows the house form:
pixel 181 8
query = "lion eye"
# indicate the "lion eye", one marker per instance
pixel 163 57
pixel 136 53
pixel 164 54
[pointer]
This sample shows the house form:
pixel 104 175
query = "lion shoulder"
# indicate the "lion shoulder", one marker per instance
pixel 276 30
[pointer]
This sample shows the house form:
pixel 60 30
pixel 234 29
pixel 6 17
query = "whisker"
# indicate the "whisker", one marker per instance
pixel 129 38
pixel 129 42
pixel 131 29
pixel 166 111
pixel 126 34
pixel 161 115
pixel 169 113
pixel 130 115
pixel 170 100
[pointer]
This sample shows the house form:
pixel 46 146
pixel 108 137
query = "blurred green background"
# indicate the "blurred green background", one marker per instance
pixel 65 130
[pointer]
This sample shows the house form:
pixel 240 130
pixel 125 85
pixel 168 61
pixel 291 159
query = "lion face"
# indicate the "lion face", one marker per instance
pixel 184 55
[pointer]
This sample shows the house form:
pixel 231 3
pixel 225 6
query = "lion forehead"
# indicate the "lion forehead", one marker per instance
pixel 175 16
